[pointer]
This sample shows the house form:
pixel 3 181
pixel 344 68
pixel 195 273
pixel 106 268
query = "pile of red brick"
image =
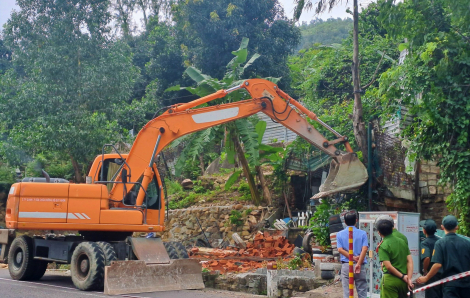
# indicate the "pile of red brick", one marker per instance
pixel 268 247
pixel 255 255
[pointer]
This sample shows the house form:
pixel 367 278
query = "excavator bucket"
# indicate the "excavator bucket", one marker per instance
pixel 347 173
pixel 153 272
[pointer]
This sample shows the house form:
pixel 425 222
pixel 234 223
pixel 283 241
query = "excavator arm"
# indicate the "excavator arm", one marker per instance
pixel 346 170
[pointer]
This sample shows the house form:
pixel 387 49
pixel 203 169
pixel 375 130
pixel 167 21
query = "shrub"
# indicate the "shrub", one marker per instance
pixel 235 218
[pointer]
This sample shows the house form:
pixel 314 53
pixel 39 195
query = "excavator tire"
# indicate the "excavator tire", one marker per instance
pixel 40 268
pixel 109 253
pixel 87 267
pixel 180 250
pixel 171 250
pixel 20 258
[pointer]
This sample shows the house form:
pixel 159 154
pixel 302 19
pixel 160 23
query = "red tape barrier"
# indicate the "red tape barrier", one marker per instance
pixel 442 281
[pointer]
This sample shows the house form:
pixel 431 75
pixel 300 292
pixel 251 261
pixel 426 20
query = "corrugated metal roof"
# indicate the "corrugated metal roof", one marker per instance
pixel 275 132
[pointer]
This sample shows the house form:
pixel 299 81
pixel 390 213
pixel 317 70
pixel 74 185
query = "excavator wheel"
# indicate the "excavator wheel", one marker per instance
pixel 40 268
pixel 109 253
pixel 171 250
pixel 180 250
pixel 20 258
pixel 87 266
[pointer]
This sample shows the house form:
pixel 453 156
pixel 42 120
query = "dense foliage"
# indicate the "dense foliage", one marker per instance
pixel 434 81
pixel 68 79
pixel 323 32
pixel 321 75
pixel 69 83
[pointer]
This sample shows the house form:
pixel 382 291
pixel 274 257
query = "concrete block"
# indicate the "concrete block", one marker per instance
pixel 432 177
pixel 424 191
pixel 317 269
pixel 330 266
pixel 432 163
pixel 432 190
pixel 425 168
pixel 434 170
pixel 423 183
pixel 272 280
pixel 432 182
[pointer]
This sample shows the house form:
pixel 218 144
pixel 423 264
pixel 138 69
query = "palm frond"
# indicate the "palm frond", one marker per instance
pixel 250 140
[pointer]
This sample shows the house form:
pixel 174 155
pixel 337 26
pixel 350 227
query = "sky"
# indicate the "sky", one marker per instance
pixel 6 7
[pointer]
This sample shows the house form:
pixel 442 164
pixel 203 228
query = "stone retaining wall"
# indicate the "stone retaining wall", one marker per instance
pixel 432 195
pixel 182 224
pixel 290 281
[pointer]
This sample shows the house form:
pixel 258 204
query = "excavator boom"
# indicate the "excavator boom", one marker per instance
pixel 347 172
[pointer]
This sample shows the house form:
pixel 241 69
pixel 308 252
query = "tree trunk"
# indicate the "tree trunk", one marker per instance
pixel 76 169
pixel 246 169
pixel 201 164
pixel 143 6
pixel 124 18
pixel 262 181
pixel 359 127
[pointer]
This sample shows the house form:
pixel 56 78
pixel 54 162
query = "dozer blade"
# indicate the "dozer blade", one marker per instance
pixel 347 173
pixel 126 277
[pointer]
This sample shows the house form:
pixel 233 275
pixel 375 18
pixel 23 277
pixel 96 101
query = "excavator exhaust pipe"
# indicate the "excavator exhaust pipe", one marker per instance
pixel 347 174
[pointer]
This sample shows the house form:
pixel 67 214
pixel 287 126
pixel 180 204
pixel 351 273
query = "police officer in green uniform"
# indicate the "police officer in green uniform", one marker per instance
pixel 397 263
pixel 427 247
pixel 452 254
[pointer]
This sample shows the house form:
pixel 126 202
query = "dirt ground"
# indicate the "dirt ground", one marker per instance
pixel 334 290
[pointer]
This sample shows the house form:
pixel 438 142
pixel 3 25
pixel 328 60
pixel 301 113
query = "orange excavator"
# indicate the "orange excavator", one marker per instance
pixel 124 194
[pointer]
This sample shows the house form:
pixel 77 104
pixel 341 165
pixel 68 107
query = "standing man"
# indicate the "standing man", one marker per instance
pixel 427 247
pixel 452 254
pixel 397 263
pixel 360 247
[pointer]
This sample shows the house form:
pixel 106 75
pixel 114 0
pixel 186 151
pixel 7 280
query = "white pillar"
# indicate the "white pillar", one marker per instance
pixel 271 281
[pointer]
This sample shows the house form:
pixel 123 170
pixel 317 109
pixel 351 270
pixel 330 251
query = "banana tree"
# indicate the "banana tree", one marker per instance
pixel 235 133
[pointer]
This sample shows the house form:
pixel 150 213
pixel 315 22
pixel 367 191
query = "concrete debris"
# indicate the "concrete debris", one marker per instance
pixel 238 241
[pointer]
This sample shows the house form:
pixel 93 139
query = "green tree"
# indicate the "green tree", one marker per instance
pixel 5 57
pixel 321 75
pixel 69 80
pixel 359 127
pixel 210 29
pixel 237 132
pixel 325 32
pixel 434 82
